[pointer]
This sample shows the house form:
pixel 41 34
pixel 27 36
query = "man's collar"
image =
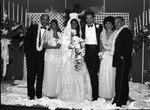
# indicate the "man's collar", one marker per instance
pixel 90 25
pixel 42 27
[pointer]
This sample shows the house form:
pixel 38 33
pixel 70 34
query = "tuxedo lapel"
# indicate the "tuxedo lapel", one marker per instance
pixel 83 32
pixel 97 33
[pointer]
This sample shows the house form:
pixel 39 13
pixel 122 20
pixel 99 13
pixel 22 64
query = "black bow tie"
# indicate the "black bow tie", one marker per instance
pixel 43 27
pixel 90 25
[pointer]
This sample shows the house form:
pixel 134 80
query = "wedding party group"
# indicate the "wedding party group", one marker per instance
pixel 82 62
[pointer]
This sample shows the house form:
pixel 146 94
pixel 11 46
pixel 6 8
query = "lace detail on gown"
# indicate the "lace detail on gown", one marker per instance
pixel 73 85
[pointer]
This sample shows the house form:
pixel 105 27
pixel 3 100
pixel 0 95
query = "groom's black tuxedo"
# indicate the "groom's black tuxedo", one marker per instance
pixel 91 58
pixel 122 62
pixel 35 63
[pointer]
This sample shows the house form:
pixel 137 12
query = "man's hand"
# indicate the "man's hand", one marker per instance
pixel 100 54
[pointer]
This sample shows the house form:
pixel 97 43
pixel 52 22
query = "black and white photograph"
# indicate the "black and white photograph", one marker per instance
pixel 75 54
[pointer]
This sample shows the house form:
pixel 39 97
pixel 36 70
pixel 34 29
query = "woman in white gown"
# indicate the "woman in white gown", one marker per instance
pixel 52 59
pixel 73 82
pixel 107 72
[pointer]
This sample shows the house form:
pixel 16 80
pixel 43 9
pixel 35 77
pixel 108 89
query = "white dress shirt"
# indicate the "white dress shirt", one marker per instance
pixel 90 35
pixel 42 32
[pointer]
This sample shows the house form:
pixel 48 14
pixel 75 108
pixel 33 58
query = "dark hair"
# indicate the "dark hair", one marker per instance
pixel 109 19
pixel 89 13
pixel 78 27
pixel 55 21
pixel 44 15
pixel 120 17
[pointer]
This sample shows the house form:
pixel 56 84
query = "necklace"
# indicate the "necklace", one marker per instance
pixel 39 47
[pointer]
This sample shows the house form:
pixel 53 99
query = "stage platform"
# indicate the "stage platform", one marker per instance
pixel 18 107
pixel 14 97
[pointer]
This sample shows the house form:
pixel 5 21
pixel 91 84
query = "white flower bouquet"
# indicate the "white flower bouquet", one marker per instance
pixel 77 47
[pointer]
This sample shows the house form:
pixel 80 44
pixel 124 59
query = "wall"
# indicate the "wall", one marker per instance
pixel 134 7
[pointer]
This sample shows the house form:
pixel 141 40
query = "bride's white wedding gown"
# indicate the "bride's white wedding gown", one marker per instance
pixel 107 73
pixel 73 85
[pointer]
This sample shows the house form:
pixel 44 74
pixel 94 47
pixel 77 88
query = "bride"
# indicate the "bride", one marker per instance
pixel 73 81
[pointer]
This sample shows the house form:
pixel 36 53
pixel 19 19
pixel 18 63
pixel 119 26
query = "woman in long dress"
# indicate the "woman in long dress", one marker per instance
pixel 73 82
pixel 52 59
pixel 107 72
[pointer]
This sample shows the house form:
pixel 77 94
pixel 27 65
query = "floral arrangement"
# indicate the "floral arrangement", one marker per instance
pixel 77 47
pixel 9 30
pixel 142 36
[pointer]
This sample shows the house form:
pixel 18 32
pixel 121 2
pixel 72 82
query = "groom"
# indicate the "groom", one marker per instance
pixel 35 57
pixel 91 34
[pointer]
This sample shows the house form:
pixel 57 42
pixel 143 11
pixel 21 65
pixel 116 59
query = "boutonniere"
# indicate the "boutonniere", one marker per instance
pixel 97 25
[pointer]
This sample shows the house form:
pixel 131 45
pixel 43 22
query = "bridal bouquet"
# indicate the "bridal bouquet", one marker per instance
pixel 77 47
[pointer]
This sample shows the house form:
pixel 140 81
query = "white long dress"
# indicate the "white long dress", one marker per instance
pixel 51 68
pixel 73 86
pixel 107 73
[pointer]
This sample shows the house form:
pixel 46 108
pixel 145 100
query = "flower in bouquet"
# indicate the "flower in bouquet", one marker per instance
pixel 78 51
pixel 73 32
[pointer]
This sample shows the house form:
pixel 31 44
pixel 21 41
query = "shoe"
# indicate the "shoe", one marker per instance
pixel 31 98
pixel 94 99
pixel 51 97
pixel 121 104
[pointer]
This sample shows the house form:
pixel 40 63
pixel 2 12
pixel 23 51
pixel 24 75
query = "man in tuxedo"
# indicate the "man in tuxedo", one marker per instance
pixel 35 57
pixel 91 34
pixel 122 61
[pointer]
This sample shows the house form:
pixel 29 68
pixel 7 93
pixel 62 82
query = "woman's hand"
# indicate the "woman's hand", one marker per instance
pixel 100 54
